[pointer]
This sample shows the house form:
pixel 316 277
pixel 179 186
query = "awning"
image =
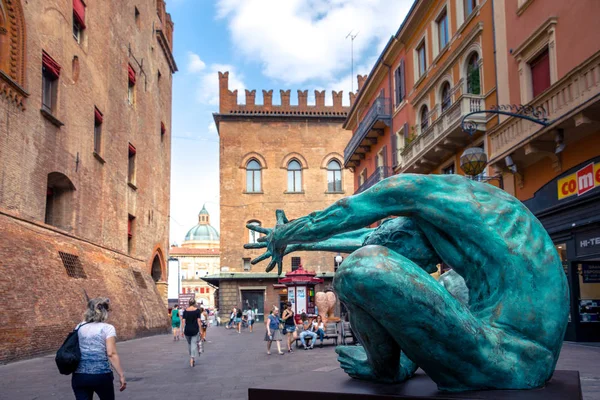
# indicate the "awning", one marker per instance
pixel 79 12
pixel 51 66
pixel 131 73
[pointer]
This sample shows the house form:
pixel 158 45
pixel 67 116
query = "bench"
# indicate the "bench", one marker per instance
pixel 346 333
pixel 331 332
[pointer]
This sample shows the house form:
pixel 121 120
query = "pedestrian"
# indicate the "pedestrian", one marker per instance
pixel 191 330
pixel 175 322
pixel 97 343
pixel 289 324
pixel 231 318
pixel 217 318
pixel 250 315
pixel 203 324
pixel 307 331
pixel 319 328
pixel 238 320
pixel 273 333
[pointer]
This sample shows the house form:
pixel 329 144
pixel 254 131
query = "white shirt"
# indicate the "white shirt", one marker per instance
pixel 250 315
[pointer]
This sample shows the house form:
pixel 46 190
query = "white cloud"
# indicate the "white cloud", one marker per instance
pixel 299 40
pixel 195 64
pixel 208 80
pixel 212 127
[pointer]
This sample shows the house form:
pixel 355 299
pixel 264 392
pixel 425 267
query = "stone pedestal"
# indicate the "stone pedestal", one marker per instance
pixel 336 385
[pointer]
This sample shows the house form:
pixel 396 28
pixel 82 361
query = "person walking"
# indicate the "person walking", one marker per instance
pixel 289 324
pixel 203 324
pixel 175 322
pixel 273 333
pixel 231 318
pixel 191 330
pixel 319 328
pixel 97 343
pixel 307 331
pixel 250 315
pixel 238 320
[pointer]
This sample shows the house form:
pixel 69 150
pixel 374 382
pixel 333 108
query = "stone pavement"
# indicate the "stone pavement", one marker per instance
pixel 157 368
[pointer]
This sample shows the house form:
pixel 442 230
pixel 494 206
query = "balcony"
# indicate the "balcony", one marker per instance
pixel 442 137
pixel 380 174
pixel 371 127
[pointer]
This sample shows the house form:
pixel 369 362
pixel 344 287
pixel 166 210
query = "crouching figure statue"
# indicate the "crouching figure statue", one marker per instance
pixel 505 334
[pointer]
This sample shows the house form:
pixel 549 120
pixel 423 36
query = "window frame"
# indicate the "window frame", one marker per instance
pixel 445 102
pixel 97 131
pixel 131 167
pixel 472 4
pixel 258 171
pixel 77 30
pixel 424 122
pixel 296 260
pixel 421 47
pixel 333 172
pixel 253 235
pixel 296 177
pixel 543 55
pixel 443 19
pixel 469 71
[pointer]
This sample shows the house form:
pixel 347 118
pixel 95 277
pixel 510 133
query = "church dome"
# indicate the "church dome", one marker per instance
pixel 203 231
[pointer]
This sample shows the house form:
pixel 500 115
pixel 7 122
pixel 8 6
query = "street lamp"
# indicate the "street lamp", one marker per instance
pixel 338 261
pixel 473 162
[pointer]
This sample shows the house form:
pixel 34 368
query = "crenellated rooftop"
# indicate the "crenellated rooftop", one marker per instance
pixel 228 102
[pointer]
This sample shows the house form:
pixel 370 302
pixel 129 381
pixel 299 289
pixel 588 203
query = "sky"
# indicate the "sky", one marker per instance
pixel 264 44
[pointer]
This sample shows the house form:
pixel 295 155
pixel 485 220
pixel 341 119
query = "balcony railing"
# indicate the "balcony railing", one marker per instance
pixel 570 92
pixel 380 174
pixel 440 128
pixel 381 110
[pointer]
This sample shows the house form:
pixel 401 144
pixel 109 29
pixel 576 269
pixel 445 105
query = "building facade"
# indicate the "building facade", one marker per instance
pixel 546 61
pixel 199 256
pixel 438 67
pixel 274 157
pixel 85 129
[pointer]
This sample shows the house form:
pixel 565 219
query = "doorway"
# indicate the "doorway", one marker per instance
pixel 256 300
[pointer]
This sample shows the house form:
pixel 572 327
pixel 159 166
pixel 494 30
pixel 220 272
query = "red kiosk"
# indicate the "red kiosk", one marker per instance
pixel 301 290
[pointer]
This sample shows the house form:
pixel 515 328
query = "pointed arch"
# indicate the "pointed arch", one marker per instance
pixel 12 51
pixel 157 266
pixel 249 156
pixel 294 156
pixel 332 156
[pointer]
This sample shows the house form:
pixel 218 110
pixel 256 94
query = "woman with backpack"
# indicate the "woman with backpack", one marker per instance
pixel 97 343
pixel 191 330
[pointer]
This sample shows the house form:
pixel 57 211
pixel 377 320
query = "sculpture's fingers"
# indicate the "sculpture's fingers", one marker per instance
pixel 258 228
pixel 262 239
pixel 279 267
pixel 255 245
pixel 271 266
pixel 258 259
pixel 281 218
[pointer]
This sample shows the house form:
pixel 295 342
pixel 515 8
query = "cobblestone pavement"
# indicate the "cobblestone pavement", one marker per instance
pixel 157 368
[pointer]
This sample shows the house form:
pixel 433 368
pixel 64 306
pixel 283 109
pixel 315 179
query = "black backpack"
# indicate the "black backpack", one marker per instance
pixel 69 354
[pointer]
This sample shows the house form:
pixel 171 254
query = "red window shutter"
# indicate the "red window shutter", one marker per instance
pixel 131 72
pixel 97 116
pixel 51 66
pixel 132 150
pixel 129 233
pixel 540 73
pixel 163 129
pixel 79 12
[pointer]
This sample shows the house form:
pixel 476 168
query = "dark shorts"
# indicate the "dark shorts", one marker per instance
pixel 250 322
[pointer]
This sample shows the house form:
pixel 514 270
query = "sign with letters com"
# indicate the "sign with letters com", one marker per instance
pixel 580 182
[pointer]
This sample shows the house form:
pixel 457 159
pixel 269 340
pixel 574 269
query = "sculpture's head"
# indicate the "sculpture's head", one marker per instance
pixel 402 235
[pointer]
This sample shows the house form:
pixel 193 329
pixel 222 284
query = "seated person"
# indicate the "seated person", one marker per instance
pixel 306 331
pixel 318 327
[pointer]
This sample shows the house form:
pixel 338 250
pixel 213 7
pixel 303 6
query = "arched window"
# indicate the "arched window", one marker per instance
pixel 59 201
pixel 156 269
pixel 294 176
pixel 424 118
pixel 334 176
pixel 446 96
pixel 473 79
pixel 253 178
pixel 253 235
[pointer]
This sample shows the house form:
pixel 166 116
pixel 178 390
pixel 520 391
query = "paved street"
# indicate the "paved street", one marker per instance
pixel 157 368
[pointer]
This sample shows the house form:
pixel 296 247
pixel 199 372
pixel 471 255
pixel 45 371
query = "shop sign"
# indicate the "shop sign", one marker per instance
pixel 580 182
pixel 184 299
pixel 591 272
pixel 587 243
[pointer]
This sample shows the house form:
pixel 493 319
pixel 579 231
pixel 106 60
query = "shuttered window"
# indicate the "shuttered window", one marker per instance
pixel 540 73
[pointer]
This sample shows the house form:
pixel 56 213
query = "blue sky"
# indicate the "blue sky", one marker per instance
pixel 264 44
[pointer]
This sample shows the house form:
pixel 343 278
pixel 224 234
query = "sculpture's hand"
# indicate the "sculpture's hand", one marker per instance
pixel 273 241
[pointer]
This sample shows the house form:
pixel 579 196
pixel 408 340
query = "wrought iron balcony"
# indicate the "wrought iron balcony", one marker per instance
pixel 371 126
pixel 380 174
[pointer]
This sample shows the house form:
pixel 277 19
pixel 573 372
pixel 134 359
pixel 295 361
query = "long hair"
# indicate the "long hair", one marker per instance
pixel 97 310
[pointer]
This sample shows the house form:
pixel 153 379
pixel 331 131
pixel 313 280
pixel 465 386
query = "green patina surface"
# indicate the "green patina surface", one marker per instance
pixel 496 321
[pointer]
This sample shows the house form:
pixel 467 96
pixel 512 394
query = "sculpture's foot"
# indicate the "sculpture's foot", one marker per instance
pixel 353 360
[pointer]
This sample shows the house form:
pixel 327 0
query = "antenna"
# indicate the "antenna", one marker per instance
pixel 352 36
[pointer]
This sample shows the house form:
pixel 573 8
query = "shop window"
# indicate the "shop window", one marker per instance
pixel 296 262
pixel 72 265
pixel 473 78
pixel 442 28
pixel 253 177
pixel 294 177
pixel 98 118
pixel 50 74
pixel 334 176
pixel 78 20
pixel 540 73
pixel 246 264
pixel 131 165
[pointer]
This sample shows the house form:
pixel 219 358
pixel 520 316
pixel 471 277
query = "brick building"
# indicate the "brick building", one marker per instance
pixel 85 112
pixel 274 157
pixel 199 256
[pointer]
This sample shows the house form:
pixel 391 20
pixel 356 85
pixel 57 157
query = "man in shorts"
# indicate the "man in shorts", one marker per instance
pixel 250 315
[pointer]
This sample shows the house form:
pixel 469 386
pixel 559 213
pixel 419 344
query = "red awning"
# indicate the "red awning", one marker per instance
pixel 51 66
pixel 131 149
pixel 131 74
pixel 97 116
pixel 79 12
pixel 163 129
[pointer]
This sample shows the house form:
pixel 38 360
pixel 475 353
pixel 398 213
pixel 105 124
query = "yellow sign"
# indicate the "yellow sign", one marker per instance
pixel 580 182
